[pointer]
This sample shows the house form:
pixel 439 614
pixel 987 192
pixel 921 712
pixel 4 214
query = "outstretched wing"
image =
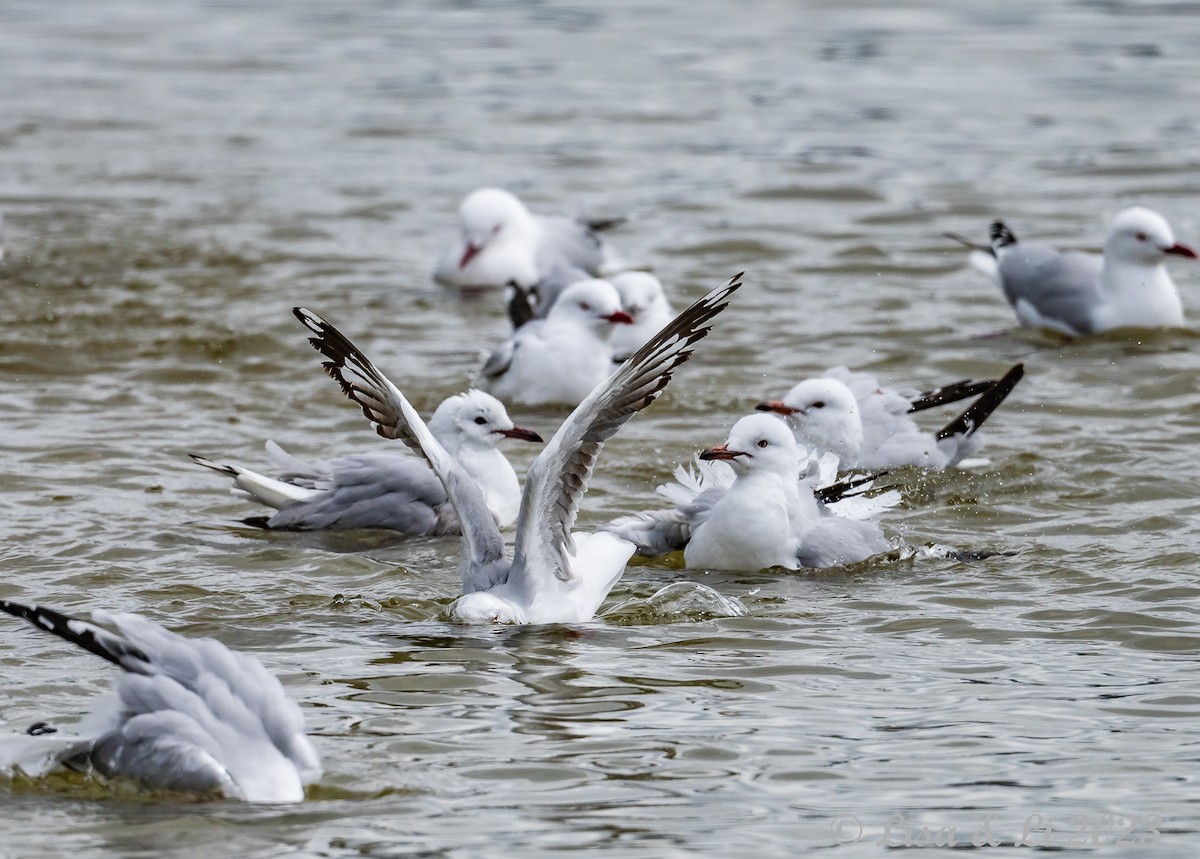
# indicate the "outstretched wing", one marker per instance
pixel 394 417
pixel 559 476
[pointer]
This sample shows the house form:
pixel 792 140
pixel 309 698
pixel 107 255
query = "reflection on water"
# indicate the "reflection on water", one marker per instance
pixel 174 179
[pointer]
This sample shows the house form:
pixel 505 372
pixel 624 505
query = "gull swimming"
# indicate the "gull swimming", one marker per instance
pixel 386 489
pixel 868 426
pixel 189 715
pixel 553 575
pixel 767 517
pixel 643 299
pixel 560 359
pixel 1077 293
pixel 503 242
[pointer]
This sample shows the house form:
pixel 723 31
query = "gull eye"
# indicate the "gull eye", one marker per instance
pixel 762 442
pixel 481 420
pixel 583 305
pixel 1141 237
pixel 819 404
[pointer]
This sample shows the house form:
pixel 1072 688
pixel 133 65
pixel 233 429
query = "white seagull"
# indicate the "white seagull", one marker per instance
pixel 867 426
pixel 767 517
pixel 503 242
pixel 559 359
pixel 190 715
pixel 1076 293
pixel 386 489
pixel 642 297
pixel 553 576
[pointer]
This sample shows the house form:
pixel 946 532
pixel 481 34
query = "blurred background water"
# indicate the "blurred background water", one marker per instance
pixel 176 176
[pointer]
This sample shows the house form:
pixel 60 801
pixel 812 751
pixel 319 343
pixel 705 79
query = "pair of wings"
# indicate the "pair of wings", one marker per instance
pixel 558 477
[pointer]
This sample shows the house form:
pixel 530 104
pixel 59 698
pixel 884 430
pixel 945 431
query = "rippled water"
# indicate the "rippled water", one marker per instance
pixel 176 176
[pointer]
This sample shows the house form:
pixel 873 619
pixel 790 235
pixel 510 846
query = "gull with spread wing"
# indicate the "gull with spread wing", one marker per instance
pixel 190 715
pixel 553 576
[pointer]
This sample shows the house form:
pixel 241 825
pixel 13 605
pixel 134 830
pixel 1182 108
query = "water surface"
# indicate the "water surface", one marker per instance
pixel 176 176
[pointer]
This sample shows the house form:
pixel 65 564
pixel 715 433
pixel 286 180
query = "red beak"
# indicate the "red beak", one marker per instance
pixel 1180 250
pixel 777 407
pixel 619 317
pixel 521 433
pixel 468 254
pixel 721 451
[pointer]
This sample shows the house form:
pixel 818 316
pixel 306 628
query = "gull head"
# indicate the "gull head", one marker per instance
pixel 758 444
pixel 593 302
pixel 1139 235
pixel 639 291
pixel 475 419
pixel 824 414
pixel 489 215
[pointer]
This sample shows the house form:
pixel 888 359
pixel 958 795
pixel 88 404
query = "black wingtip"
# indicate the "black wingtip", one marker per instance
pixel 601 225
pixel 835 492
pixel 1001 235
pixel 951 393
pixel 520 304
pixel 77 632
pixel 979 411
pixel 260 522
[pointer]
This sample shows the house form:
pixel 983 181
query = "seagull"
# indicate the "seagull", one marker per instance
pixel 767 516
pixel 866 426
pixel 559 359
pixel 1076 293
pixel 553 576
pixel 385 489
pixel 642 297
pixel 190 715
pixel 502 242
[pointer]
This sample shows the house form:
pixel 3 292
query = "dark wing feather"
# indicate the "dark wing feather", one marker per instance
pixel 93 639
pixel 947 394
pixel 979 411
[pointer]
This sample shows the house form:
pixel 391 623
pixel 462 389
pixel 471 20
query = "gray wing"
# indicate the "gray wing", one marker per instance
pixel 394 417
pixel 833 540
pixel 553 281
pixel 500 360
pixel 373 490
pixel 568 243
pixel 1057 286
pixel 558 477
pixel 657 532
pixel 193 714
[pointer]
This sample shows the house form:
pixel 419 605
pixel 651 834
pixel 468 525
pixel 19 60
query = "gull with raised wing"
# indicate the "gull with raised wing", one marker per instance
pixel 766 517
pixel 560 359
pixel 867 426
pixel 190 715
pixel 387 489
pixel 503 242
pixel 553 576
pixel 1078 293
